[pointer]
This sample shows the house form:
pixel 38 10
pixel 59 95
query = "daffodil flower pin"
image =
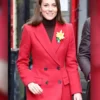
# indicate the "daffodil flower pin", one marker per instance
pixel 59 36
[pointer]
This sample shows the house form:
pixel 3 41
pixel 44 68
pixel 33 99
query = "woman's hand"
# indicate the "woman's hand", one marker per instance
pixel 77 96
pixel 35 88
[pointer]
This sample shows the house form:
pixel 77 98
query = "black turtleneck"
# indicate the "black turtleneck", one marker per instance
pixel 49 26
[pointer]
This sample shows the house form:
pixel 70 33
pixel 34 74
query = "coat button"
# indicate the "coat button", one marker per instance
pixel 58 68
pixel 59 81
pixel 45 69
pixel 46 82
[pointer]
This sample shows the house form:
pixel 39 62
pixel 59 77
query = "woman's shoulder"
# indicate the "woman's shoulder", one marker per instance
pixel 67 24
pixel 28 27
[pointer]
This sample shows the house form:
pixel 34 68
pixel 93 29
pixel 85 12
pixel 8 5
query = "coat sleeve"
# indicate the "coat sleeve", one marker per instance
pixel 23 57
pixel 84 49
pixel 71 64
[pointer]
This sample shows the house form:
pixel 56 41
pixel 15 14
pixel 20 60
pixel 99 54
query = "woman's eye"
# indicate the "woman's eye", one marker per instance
pixel 55 5
pixel 45 5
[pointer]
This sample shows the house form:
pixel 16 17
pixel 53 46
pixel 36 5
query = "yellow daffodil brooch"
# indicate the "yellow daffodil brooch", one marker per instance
pixel 59 36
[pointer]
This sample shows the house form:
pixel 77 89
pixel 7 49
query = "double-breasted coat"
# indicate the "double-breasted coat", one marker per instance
pixel 55 67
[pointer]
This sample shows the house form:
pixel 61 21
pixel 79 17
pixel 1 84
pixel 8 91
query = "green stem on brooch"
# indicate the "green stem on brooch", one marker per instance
pixel 59 36
pixel 58 40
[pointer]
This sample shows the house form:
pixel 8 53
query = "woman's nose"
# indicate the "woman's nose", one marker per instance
pixel 50 8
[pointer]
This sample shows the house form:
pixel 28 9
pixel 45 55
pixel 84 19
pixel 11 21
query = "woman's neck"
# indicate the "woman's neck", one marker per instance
pixel 48 23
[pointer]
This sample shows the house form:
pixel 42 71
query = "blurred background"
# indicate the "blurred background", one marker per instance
pixel 3 50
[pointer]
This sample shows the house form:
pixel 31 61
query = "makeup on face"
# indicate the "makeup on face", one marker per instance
pixel 48 9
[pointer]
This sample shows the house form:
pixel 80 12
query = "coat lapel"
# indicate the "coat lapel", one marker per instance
pixel 44 40
pixel 55 44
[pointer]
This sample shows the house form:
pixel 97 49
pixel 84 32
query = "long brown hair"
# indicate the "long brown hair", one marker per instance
pixel 37 18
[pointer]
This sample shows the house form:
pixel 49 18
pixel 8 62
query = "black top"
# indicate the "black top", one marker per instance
pixel 49 26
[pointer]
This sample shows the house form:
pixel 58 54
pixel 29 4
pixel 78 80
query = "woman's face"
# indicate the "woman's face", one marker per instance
pixel 48 9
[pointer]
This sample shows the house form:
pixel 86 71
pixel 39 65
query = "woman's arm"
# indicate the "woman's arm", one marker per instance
pixel 23 57
pixel 71 64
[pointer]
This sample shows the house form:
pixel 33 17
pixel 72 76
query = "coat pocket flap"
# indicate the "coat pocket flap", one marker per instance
pixel 65 80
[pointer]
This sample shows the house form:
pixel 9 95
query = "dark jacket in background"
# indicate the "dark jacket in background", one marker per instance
pixel 84 49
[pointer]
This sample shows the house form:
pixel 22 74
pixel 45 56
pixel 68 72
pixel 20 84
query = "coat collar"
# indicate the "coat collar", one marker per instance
pixel 50 47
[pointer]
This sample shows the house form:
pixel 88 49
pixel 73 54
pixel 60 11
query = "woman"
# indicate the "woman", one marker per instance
pixel 54 75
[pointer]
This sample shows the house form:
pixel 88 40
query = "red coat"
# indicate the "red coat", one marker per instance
pixel 55 67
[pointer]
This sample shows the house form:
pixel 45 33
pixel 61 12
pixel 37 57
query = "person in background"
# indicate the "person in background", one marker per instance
pixel 84 54
pixel 51 42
